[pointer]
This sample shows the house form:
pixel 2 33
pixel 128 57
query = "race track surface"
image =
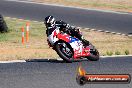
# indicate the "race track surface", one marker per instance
pixel 107 21
pixel 57 74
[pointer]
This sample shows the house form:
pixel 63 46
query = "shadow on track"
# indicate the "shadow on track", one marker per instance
pixel 51 60
pixel 130 33
pixel 46 60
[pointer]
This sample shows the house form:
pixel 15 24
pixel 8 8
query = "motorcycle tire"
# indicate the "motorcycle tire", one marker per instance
pixel 62 52
pixel 94 55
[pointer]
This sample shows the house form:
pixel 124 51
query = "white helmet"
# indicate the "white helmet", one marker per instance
pixel 50 20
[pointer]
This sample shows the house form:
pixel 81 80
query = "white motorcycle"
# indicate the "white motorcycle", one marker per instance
pixel 71 48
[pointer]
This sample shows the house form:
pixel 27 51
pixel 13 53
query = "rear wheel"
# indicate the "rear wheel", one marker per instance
pixel 64 50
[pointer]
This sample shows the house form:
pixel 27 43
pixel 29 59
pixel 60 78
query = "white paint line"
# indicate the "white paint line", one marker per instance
pixel 100 30
pixel 107 31
pixel 77 27
pixel 130 35
pixel 113 32
pixel 116 56
pixel 24 19
pixel 93 29
pixel 59 59
pixel 36 21
pixel 13 61
pixel 106 11
pixel 124 34
pixel 118 33
pixel 87 28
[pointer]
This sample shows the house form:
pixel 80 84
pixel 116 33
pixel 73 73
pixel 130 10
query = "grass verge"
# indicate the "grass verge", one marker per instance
pixel 37 47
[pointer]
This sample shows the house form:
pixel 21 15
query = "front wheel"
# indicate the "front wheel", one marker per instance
pixel 64 50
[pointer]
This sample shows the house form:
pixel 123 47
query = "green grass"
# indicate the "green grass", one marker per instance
pixel 127 52
pixel 36 30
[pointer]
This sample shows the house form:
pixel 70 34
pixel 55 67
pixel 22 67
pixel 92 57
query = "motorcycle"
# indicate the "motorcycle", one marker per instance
pixel 70 48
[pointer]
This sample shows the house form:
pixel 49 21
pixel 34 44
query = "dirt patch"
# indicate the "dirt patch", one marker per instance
pixel 28 51
pixel 11 47
pixel 116 5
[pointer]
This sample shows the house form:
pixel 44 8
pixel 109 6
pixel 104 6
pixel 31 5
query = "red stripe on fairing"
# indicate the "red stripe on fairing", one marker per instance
pixel 63 37
pixel 54 34
pixel 83 53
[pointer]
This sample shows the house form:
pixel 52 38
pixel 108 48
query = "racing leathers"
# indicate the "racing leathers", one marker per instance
pixel 66 28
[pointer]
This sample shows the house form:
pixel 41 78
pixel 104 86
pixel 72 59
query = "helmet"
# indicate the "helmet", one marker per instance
pixel 49 20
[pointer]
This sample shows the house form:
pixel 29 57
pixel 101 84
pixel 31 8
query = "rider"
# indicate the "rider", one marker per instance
pixel 51 24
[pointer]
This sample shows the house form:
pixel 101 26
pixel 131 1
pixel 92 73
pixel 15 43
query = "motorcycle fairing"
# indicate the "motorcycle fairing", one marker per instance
pixel 64 37
pixel 75 43
pixel 53 37
pixel 78 48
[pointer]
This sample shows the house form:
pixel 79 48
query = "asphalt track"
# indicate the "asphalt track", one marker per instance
pixel 108 21
pixel 57 74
